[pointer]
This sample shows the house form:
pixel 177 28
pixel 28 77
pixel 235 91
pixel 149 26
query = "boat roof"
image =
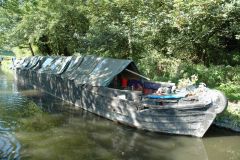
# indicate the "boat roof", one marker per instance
pixel 99 71
pixel 88 69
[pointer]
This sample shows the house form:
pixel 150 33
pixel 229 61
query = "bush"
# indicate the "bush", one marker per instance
pixel 231 90
pixel 224 78
pixel 158 67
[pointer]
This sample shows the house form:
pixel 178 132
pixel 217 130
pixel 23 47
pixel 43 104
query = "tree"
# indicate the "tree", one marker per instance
pixel 54 26
pixel 196 30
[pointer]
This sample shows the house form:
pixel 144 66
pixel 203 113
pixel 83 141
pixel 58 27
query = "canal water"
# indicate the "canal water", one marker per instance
pixel 35 125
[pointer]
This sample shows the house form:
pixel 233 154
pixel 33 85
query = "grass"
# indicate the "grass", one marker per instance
pixel 231 90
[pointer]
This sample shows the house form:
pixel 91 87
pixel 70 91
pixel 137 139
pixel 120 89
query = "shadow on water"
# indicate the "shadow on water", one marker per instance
pixel 218 132
pixel 222 144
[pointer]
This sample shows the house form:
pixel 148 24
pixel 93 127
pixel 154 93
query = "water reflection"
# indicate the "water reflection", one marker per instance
pixel 79 134
pixel 222 144
pixel 9 145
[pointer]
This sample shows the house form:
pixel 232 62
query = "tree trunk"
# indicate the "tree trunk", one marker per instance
pixel 30 47
pixel 130 43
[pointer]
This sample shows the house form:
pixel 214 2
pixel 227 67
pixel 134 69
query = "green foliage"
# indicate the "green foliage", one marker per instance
pixel 213 76
pixel 160 68
pixel 224 78
pixel 54 26
pixel 231 90
pixel 24 52
pixel 192 30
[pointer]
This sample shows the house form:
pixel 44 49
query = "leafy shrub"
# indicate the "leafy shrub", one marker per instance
pixel 224 78
pixel 158 67
pixel 231 90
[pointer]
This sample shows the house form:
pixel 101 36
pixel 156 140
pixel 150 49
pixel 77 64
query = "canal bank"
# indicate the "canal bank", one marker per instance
pixel 230 118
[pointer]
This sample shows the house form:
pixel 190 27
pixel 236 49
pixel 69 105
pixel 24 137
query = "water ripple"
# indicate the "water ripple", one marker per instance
pixel 9 146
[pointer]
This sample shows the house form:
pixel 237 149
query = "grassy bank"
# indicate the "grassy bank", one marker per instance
pixel 231 116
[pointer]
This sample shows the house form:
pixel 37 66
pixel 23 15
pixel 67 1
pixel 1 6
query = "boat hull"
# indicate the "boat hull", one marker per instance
pixel 109 103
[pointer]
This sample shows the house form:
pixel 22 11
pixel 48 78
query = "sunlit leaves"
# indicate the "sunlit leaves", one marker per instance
pixel 186 29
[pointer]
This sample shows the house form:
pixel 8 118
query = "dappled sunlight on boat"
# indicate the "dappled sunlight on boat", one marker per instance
pixel 78 85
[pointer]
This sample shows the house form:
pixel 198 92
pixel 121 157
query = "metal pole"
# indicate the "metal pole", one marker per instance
pixel 137 74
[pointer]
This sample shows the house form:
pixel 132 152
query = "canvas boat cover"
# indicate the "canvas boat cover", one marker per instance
pixel 20 62
pixel 46 65
pixel 85 68
pixel 39 63
pixel 98 71
pixel 58 65
pixel 72 67
pixel 92 70
pixel 33 62
pixel 25 62
pixel 63 64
